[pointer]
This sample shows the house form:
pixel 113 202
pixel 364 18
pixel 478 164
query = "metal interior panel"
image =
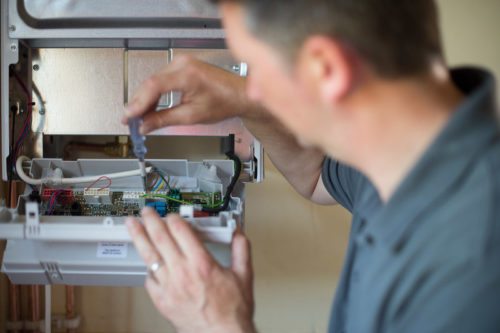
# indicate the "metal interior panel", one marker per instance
pixel 219 58
pixel 83 90
pixel 141 65
pixel 70 20
pixel 60 12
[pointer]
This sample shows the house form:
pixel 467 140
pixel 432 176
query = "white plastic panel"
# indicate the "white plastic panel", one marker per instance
pixel 29 262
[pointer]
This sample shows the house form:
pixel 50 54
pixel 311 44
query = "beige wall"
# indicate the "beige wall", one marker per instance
pixel 298 247
pixel 470 31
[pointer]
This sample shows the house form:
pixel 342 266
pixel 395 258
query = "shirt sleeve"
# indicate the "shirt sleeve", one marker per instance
pixel 342 182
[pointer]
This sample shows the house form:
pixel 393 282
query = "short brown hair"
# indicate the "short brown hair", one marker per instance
pixel 396 37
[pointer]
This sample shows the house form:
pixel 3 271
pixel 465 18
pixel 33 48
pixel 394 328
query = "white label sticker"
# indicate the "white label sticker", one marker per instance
pixel 112 250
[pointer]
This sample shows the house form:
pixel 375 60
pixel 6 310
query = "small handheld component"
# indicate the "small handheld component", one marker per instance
pixel 138 140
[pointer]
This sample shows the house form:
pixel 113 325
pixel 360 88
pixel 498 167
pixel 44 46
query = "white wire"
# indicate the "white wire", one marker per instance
pixel 68 181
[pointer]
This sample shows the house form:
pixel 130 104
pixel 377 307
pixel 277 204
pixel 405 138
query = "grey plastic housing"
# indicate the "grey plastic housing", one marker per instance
pixel 97 250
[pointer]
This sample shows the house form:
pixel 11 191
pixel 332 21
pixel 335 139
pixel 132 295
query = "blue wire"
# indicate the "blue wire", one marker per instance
pixel 157 186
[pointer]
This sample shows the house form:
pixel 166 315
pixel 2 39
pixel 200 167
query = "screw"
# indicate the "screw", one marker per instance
pixel 236 68
pixel 36 67
pixel 13 47
pixel 12 28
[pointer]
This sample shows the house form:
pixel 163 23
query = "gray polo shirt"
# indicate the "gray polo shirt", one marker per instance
pixel 429 259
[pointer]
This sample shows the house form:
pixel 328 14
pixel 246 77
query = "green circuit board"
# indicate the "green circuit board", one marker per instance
pixel 109 203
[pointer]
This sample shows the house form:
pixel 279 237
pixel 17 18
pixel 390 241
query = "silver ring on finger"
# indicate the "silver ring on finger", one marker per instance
pixel 155 267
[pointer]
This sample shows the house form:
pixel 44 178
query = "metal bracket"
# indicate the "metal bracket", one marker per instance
pixel 52 272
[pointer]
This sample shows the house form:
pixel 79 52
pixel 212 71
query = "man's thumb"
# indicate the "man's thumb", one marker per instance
pixel 242 259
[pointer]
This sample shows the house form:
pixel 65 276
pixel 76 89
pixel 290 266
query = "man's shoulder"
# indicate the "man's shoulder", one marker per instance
pixel 468 218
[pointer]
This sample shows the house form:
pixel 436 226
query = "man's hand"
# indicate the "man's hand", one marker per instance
pixel 209 95
pixel 190 288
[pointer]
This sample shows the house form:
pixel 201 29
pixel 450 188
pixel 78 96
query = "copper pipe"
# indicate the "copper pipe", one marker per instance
pixel 70 305
pixel 14 305
pixel 13 195
pixel 35 305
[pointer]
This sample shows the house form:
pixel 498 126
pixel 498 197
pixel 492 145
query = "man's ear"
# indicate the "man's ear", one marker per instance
pixel 329 66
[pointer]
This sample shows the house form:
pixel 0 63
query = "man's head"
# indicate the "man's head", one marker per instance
pixel 395 37
pixel 307 58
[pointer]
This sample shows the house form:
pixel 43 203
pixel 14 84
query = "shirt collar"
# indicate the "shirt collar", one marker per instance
pixel 472 127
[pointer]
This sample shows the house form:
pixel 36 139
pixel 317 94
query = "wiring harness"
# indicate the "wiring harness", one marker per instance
pixel 228 149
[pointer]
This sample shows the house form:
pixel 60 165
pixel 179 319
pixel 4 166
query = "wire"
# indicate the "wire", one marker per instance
pixel 227 197
pixel 50 206
pixel 12 134
pixel 154 182
pixel 162 176
pixel 224 204
pixel 158 185
pixel 98 179
pixel 53 201
pixel 163 196
pixel 69 181
pixel 25 129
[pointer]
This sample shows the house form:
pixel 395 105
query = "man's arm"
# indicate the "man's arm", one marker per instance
pixel 300 166
pixel 190 289
pixel 211 94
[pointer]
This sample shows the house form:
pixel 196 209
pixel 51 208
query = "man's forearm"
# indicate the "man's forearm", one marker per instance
pixel 300 166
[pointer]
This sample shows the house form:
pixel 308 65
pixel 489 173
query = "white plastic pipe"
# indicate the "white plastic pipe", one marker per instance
pixel 68 181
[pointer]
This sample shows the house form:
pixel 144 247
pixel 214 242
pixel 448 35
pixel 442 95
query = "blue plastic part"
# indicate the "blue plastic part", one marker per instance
pixel 138 140
pixel 161 207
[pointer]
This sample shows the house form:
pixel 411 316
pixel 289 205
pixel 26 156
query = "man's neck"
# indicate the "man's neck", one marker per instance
pixel 400 123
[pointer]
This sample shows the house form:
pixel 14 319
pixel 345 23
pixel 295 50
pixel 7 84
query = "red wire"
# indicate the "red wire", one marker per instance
pixel 53 200
pixel 98 179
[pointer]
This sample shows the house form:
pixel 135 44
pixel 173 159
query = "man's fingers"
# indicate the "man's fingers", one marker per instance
pixel 156 293
pixel 161 237
pixel 125 119
pixel 150 91
pixel 242 259
pixel 144 247
pixel 146 98
pixel 178 115
pixel 187 240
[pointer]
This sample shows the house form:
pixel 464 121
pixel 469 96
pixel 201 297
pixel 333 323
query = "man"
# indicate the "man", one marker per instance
pixel 412 151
